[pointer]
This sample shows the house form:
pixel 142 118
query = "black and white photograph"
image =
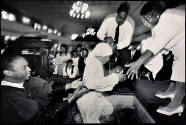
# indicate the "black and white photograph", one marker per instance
pixel 92 62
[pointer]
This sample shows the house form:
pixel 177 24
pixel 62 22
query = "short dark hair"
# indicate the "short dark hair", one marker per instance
pixel 64 46
pixel 69 61
pixel 123 7
pixel 85 49
pixel 153 8
pixel 7 59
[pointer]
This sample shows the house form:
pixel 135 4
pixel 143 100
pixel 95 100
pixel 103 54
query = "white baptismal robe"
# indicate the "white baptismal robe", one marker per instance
pixel 91 105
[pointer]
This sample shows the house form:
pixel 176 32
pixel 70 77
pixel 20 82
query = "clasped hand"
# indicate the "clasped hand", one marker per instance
pixel 122 77
pixel 76 83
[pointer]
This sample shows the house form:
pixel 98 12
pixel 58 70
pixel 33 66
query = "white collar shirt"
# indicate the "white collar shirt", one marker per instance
pixel 69 72
pixel 126 30
pixel 17 85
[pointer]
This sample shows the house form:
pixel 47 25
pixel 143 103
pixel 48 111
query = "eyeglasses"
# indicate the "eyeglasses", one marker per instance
pixel 146 22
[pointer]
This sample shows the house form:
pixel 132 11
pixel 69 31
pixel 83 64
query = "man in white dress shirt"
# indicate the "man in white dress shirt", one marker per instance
pixel 93 103
pixel 121 40
pixel 168 30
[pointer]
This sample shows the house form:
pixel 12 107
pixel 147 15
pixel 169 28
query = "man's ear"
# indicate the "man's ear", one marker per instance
pixel 7 73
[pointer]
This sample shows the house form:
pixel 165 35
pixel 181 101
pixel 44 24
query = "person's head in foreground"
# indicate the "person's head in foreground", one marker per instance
pixel 122 13
pixel 150 14
pixel 15 68
pixel 102 52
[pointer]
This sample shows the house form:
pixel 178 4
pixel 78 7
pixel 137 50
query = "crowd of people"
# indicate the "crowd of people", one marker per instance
pixel 99 70
pixel 70 64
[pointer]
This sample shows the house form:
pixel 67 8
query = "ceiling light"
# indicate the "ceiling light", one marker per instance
pixel 78 15
pixel 82 16
pixel 13 38
pixel 90 31
pixel 87 14
pixel 49 30
pixel 45 27
pixel 4 15
pixel 74 36
pixel 59 34
pixel 43 40
pixel 71 12
pixel 37 26
pixel 55 31
pixel 25 20
pixel 7 38
pixel 83 35
pixel 80 9
pixel 8 16
pixel 11 17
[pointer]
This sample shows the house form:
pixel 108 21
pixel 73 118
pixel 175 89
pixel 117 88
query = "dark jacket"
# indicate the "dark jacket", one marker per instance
pixel 16 107
pixel 42 91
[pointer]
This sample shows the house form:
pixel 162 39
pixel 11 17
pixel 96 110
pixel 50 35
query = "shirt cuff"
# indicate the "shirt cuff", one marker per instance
pixel 68 86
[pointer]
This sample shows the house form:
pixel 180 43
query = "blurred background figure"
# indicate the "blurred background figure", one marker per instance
pixel 82 61
pixel 70 70
pixel 60 59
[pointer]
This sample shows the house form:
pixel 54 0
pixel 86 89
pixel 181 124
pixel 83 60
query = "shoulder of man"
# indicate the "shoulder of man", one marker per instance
pixel 110 16
pixel 131 21
pixel 36 80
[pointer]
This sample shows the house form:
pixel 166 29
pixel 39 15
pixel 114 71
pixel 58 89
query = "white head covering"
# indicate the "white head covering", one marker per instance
pixel 102 49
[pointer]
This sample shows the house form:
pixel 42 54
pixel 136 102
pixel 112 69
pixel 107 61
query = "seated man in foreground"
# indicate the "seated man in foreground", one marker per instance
pixel 94 104
pixel 17 107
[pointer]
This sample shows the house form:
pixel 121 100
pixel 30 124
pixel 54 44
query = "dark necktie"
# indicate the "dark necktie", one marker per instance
pixel 116 34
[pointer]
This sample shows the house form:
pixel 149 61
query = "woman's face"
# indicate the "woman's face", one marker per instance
pixel 121 17
pixel 75 54
pixel 150 22
pixel 146 22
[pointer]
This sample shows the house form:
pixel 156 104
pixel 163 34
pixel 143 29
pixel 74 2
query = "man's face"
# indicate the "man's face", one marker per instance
pixel 20 70
pixel 121 17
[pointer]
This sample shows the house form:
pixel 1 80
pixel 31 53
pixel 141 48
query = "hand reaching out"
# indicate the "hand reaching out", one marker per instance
pixel 78 93
pixel 133 70
pixel 76 83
